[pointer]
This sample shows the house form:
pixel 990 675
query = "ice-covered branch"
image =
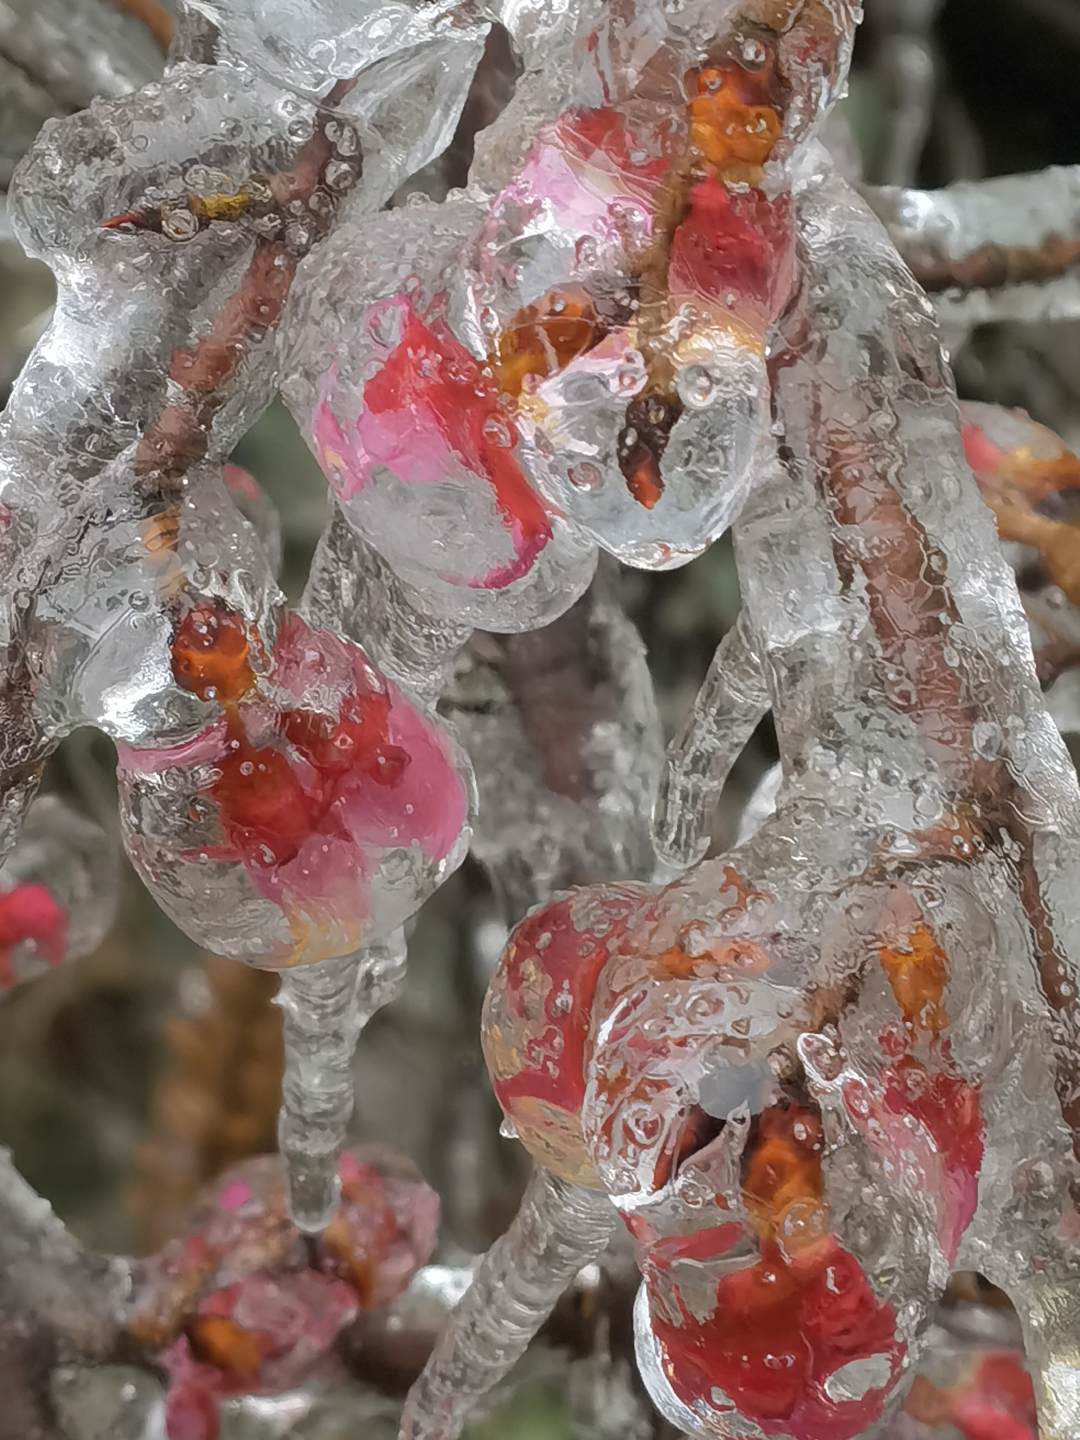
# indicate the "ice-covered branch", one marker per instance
pixel 731 702
pixel 905 64
pixel 48 1280
pixel 1001 249
pixel 559 1228
pixel 566 742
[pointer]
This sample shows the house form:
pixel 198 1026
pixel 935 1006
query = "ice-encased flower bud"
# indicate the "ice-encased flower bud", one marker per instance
pixel 58 891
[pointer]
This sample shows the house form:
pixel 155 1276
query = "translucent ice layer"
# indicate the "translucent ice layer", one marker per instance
pixel 409 427
pixel 565 740
pixel 573 351
pixel 311 815
pixel 58 891
pixel 820 1072
pixel 1031 481
pixel 284 802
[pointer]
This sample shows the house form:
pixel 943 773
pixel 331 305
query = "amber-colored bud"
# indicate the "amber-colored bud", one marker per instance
pixel 211 654
pixel 543 338
pixel 917 971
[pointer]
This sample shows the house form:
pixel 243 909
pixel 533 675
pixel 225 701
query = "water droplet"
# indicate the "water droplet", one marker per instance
pixel 179 224
pixel 585 476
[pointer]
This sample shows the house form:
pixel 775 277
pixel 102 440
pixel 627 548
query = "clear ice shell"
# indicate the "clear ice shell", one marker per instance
pixel 411 432
pixel 572 235
pixel 103 628
pixel 311 44
pixel 241 1303
pixel 788 1069
pixel 58 891
pixel 340 852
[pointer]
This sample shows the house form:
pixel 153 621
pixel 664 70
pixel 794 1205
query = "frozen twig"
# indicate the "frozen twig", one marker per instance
pixel 78 1298
pixel 905 61
pixel 731 702
pixel 1005 248
pixel 558 1229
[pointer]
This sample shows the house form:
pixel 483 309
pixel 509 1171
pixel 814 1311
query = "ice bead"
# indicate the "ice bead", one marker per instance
pixel 313 816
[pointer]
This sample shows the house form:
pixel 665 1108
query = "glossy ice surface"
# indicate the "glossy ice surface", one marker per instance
pixel 812 1076
pixel 322 805
pixel 818 1073
pixel 58 892
pixel 572 352
pixel 285 804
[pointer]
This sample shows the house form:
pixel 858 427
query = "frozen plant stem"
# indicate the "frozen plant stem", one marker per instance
pixel 45 1274
pixel 326 1007
pixel 558 1229
pixel 906 67
pixel 728 708
pixel 987 250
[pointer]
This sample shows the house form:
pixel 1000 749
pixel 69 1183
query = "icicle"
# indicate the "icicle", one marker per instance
pixel 326 1007
pixel 558 1229
pixel 729 705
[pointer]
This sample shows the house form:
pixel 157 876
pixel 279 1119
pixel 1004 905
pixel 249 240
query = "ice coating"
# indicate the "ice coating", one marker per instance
pixel 412 433
pixel 284 804
pixel 626 282
pixel 58 892
pixel 817 1074
pixel 565 740
pixel 175 220
pixel 240 1304
pixel 858 1101
pixel 1029 477
pixel 572 351
pixel 310 45
pixel 314 816
pixel 1003 248
pixel 257 509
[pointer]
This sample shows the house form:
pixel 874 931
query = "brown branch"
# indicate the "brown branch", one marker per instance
pixel 989 235
pixel 153 15
pixel 994 267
